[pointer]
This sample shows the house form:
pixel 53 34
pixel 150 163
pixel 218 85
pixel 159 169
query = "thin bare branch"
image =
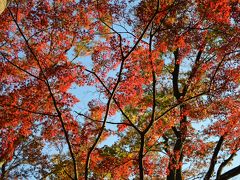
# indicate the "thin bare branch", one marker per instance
pixel 108 122
pixel 51 94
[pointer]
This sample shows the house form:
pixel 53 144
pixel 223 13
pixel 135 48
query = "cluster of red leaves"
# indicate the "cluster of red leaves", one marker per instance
pixel 188 49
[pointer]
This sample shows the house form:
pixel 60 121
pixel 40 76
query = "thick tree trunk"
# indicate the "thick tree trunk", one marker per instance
pixel 175 161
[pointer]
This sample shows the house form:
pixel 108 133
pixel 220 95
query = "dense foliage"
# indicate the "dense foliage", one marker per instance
pixel 165 76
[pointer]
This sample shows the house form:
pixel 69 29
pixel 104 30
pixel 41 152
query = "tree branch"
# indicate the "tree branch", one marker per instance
pixel 21 69
pixel 231 173
pixel 80 114
pixel 223 164
pixel 51 94
pixel 214 158
pixel 115 101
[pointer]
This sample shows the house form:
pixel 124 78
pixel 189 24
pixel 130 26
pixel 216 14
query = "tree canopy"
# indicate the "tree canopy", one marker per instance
pixel 165 76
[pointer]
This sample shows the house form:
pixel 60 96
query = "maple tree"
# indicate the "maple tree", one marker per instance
pixel 165 76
